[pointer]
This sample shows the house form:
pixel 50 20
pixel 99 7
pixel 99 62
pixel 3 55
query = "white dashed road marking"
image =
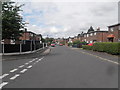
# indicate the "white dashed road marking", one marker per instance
pixel 14 77
pixel 30 61
pixel 13 70
pixel 17 75
pixel 21 66
pixel 24 70
pixel 4 75
pixel 29 66
pixel 3 84
pixel 35 63
pixel 26 63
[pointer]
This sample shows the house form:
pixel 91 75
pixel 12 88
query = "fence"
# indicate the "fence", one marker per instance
pixel 27 46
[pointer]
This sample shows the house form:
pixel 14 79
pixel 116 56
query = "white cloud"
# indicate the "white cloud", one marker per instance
pixel 53 30
pixel 68 19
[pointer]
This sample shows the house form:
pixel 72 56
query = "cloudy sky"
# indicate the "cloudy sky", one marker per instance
pixel 64 19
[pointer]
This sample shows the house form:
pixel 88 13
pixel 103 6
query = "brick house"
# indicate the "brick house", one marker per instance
pixel 93 36
pixel 31 36
pixel 27 35
pixel 114 33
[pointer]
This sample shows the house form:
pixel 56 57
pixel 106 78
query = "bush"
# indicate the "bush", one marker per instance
pixel 87 47
pixel 69 44
pixel 109 47
pixel 78 44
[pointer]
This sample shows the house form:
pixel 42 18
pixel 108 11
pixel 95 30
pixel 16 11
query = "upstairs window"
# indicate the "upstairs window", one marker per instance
pixel 87 35
pixel 111 29
pixel 119 27
pixel 91 34
pixel 94 33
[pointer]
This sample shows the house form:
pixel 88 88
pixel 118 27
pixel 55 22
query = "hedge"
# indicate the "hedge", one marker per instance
pixel 109 47
pixel 87 47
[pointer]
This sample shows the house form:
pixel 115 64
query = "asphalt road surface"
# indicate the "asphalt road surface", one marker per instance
pixel 60 67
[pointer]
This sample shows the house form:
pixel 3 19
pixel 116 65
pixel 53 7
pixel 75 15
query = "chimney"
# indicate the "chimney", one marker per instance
pixel 98 29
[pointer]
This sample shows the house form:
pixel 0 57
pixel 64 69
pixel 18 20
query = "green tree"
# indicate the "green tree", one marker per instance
pixel 12 22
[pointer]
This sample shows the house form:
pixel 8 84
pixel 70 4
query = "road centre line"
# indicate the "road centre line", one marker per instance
pixel 4 75
pixel 24 70
pixel 26 63
pixel 14 77
pixel 21 66
pixel 29 66
pixel 13 70
pixel 3 84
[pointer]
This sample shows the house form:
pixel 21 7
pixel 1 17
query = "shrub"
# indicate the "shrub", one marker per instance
pixel 70 44
pixel 87 47
pixel 109 47
pixel 78 44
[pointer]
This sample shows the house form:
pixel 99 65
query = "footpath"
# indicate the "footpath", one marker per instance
pixel 24 55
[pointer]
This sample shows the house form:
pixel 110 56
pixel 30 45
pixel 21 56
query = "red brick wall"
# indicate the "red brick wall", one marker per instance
pixel 25 36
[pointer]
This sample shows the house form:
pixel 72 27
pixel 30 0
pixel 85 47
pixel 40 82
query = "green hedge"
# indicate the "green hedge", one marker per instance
pixel 87 47
pixel 109 47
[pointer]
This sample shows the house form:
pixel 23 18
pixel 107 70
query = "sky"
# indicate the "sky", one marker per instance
pixel 65 18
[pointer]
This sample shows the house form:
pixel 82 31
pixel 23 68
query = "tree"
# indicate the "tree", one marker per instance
pixel 12 22
pixel 90 29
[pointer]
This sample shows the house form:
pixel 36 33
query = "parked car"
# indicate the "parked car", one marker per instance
pixel 52 45
pixel 90 44
pixel 60 44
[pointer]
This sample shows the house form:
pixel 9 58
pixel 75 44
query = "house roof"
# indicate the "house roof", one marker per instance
pixel 114 25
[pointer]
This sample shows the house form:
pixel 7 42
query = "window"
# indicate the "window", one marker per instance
pixel 91 34
pixel 94 33
pixel 87 35
pixel 111 29
pixel 119 27
pixel 90 41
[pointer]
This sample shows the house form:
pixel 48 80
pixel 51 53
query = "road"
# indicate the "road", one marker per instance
pixel 62 67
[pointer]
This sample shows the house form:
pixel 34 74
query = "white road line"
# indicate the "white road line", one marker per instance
pixel 21 66
pixel 3 84
pixel 104 59
pixel 13 70
pixel 33 60
pixel 26 63
pixel 14 77
pixel 30 61
pixel 4 75
pixel 37 61
pixel 29 66
pixel 24 70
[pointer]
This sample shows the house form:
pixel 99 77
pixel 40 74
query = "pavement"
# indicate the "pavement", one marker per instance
pixel 61 67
